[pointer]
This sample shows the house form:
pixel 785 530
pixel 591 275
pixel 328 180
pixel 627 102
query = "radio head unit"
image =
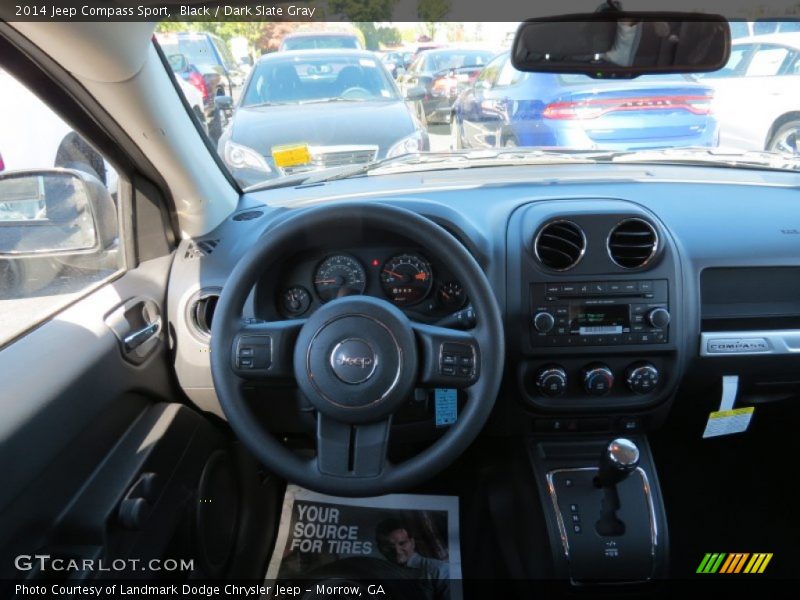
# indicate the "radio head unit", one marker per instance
pixel 600 313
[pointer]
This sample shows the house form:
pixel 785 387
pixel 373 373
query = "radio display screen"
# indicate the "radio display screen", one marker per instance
pixel 599 320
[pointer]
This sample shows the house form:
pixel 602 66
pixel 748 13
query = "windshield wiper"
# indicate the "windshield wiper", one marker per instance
pixel 702 156
pixel 333 99
pixel 260 104
pixel 315 176
pixel 433 161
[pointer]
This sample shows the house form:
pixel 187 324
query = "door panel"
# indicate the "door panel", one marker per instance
pixel 68 397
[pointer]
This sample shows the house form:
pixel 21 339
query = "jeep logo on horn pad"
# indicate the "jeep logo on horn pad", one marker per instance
pixel 353 360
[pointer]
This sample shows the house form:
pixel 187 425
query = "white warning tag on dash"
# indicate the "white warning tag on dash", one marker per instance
pixel 725 422
pixel 728 420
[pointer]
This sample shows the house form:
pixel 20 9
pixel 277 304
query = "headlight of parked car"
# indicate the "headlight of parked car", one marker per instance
pixel 408 145
pixel 242 157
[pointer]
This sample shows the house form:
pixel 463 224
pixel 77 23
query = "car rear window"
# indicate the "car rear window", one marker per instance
pixel 198 51
pixel 321 42
pixel 439 61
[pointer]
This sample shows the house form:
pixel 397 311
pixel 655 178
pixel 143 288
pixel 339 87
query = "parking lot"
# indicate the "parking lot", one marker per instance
pixel 439 137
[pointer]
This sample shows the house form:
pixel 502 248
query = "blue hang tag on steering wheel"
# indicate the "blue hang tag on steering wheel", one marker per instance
pixel 446 406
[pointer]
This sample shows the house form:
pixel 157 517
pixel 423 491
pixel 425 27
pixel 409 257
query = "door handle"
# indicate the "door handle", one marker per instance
pixel 133 340
pixel 137 324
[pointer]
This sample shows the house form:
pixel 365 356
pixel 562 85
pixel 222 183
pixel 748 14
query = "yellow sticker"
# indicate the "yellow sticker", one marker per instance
pixel 291 155
pixel 726 422
pixel 721 414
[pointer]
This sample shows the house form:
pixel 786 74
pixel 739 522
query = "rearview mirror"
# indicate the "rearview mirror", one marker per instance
pixel 622 45
pixel 57 211
pixel 178 62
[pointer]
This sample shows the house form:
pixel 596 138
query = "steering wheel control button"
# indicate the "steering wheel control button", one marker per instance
pixel 457 360
pixel 598 380
pixel 253 352
pixel 543 322
pixel 353 360
pixel 642 378
pixel 551 381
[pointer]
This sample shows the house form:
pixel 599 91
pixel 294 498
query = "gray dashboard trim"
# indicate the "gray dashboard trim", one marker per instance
pixel 749 343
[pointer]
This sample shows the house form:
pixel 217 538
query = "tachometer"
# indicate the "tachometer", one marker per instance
pixel 339 275
pixel 406 279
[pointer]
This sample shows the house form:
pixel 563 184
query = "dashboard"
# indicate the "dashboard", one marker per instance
pixel 620 285
pixel 423 288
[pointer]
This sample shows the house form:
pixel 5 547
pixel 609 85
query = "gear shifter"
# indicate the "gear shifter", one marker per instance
pixel 618 460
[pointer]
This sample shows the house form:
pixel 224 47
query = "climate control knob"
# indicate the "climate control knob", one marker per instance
pixel 642 378
pixel 658 318
pixel 551 381
pixel 543 321
pixel 597 380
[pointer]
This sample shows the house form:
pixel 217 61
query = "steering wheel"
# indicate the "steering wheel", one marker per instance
pixel 356 359
pixel 357 93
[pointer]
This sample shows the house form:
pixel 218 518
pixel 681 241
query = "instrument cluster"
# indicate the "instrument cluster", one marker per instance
pixel 402 276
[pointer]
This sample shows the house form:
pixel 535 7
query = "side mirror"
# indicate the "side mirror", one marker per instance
pixel 415 92
pixel 178 62
pixel 54 212
pixel 616 44
pixel 223 102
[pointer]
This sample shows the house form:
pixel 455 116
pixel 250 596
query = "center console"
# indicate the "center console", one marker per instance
pixel 594 288
pixel 593 294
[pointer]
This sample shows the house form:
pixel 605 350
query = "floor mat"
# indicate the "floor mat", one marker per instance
pixel 408 544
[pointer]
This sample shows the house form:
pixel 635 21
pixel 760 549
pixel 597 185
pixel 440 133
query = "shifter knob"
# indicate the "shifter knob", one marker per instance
pixel 618 460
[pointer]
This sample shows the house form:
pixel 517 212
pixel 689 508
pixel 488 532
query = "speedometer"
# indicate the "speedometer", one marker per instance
pixel 406 279
pixel 339 275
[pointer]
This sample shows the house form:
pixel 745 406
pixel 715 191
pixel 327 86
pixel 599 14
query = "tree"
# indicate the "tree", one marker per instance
pixel 431 13
pixel 363 11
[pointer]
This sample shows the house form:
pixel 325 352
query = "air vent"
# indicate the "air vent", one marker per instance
pixel 560 245
pixel 200 248
pixel 633 243
pixel 248 215
pixel 200 312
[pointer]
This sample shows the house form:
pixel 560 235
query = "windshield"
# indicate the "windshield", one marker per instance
pixel 434 93
pixel 310 77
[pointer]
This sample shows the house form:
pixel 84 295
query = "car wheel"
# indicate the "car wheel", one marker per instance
pixel 215 126
pixel 201 117
pixel 75 153
pixel 510 142
pixel 10 278
pixel 27 276
pixel 455 134
pixel 786 139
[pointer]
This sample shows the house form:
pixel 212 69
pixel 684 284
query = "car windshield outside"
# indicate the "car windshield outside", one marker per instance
pixel 315 77
pixel 315 100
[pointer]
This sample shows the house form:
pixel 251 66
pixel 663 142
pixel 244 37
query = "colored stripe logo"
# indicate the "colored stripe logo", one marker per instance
pixel 736 562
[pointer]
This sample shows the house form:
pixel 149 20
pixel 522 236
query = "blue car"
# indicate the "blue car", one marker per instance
pixel 506 107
